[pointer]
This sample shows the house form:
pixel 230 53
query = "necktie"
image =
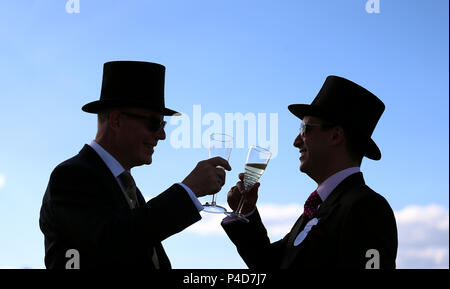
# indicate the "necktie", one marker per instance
pixel 130 188
pixel 311 205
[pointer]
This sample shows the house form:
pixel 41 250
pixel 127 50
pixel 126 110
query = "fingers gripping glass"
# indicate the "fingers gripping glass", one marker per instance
pixel 219 146
pixel 257 160
pixel 151 122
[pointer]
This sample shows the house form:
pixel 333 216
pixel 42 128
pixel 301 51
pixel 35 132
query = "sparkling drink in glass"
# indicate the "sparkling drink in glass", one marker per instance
pixel 257 160
pixel 220 145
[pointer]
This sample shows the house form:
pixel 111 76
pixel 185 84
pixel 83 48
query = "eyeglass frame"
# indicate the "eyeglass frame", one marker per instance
pixel 304 127
pixel 151 122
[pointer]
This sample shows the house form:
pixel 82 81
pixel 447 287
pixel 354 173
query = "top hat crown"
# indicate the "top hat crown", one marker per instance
pixel 131 84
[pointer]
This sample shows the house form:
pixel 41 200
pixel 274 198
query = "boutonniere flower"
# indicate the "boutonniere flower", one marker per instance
pixel 308 227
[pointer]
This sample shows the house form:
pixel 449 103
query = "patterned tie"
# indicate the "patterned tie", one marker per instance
pixel 130 188
pixel 311 205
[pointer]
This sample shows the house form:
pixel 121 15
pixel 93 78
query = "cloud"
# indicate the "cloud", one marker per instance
pixel 423 231
pixel 423 237
pixel 209 225
pixel 2 181
pixel 279 219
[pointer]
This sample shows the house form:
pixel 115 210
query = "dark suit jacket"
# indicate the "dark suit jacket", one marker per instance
pixel 84 209
pixel 352 220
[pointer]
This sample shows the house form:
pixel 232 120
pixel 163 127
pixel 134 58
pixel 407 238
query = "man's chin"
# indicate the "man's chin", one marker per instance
pixel 146 161
pixel 303 169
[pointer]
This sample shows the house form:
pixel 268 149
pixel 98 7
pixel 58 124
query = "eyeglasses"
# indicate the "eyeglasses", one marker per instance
pixel 152 123
pixel 304 127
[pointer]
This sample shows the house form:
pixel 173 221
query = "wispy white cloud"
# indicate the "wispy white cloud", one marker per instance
pixel 2 181
pixel 279 219
pixel 423 231
pixel 209 225
pixel 423 237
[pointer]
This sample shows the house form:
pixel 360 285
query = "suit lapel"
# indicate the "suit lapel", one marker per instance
pixel 105 176
pixel 332 201
pixel 291 251
pixel 140 197
pixel 296 230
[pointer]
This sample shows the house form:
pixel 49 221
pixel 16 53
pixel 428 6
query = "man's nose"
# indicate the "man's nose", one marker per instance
pixel 161 134
pixel 298 141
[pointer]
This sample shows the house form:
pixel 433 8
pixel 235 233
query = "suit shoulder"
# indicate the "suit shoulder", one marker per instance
pixel 363 193
pixel 371 196
pixel 361 199
pixel 76 170
pixel 366 202
pixel 72 166
pixel 77 178
pixel 86 161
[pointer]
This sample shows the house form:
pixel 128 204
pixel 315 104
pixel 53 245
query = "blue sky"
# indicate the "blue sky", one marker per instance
pixel 228 57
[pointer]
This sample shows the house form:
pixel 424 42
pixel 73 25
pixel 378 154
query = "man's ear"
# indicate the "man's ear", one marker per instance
pixel 337 135
pixel 114 119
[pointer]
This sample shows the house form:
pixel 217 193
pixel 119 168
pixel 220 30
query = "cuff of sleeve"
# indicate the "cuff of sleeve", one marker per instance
pixel 193 197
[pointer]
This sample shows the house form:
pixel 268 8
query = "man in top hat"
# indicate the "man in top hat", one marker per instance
pixel 93 215
pixel 345 224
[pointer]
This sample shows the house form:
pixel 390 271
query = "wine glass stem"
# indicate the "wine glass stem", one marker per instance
pixel 240 205
pixel 213 203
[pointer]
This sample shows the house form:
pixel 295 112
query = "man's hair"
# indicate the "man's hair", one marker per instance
pixel 354 146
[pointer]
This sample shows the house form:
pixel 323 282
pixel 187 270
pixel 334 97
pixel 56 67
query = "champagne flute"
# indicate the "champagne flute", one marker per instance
pixel 220 145
pixel 257 160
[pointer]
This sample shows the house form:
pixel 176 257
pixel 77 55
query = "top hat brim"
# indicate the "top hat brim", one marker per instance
pixel 100 105
pixel 301 110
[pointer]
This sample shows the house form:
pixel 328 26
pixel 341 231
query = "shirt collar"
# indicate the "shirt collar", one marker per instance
pixel 325 189
pixel 114 166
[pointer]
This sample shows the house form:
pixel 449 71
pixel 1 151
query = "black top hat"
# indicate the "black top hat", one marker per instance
pixel 131 84
pixel 344 102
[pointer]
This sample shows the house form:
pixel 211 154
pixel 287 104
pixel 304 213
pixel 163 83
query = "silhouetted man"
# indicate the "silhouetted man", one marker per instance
pixel 92 204
pixel 344 222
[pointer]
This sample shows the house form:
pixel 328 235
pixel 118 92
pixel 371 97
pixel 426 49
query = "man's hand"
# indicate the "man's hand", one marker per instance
pixel 207 178
pixel 236 192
